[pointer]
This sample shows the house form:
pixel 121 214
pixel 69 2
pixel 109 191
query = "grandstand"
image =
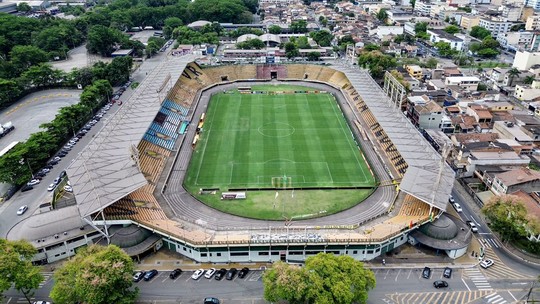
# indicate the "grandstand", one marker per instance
pixel 116 179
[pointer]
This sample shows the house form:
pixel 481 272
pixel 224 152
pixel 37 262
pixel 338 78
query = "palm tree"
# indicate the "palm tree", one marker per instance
pixel 529 79
pixel 512 73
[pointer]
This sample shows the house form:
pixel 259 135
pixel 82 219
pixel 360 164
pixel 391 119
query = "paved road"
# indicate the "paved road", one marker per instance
pixel 33 110
pixel 394 285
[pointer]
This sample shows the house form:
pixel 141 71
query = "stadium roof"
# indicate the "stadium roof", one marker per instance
pixel 106 171
pixel 424 178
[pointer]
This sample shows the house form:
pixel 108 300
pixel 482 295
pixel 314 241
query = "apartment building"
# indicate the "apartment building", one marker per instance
pixel 496 26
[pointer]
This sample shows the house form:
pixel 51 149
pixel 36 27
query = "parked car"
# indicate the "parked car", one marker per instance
pixel 51 187
pixel 231 274
pixel 138 276
pixel 451 199
pixel 45 170
pixel 211 300
pixel 486 263
pixel 40 175
pixel 33 182
pixel 457 207
pixel 68 188
pixel 26 188
pixel 440 284
pixel 197 274
pixel 150 274
pixel 62 154
pixel 42 302
pixel 175 273
pixel 62 174
pixel 56 158
pixel 210 273
pixel 473 226
pixel 426 273
pixel 220 274
pixel 243 272
pixel 52 162
pixel 447 272
pixel 22 210
pixel 57 180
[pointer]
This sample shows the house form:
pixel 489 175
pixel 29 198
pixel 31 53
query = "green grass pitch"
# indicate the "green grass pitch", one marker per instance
pixel 248 140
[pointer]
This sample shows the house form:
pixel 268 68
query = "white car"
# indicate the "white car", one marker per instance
pixel 451 199
pixel 210 273
pixel 42 302
pixel 68 188
pixel 473 226
pixel 33 182
pixel 486 263
pixel 51 187
pixel 197 274
pixel 22 210
pixel 457 207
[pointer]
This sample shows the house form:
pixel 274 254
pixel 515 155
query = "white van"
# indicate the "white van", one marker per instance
pixel 457 207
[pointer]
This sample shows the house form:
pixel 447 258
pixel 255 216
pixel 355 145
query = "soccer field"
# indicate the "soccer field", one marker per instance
pixel 283 140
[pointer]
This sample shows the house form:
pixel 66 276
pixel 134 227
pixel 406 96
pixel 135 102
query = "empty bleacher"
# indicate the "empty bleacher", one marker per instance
pixel 296 71
pixel 414 207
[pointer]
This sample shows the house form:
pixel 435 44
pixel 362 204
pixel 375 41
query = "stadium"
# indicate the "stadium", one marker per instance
pixel 166 168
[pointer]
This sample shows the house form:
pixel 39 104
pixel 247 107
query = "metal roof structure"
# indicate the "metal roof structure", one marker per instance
pixel 428 177
pixel 107 170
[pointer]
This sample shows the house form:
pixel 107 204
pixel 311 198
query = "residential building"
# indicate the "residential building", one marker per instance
pixel 533 23
pixel 495 26
pixel 524 60
pixel 415 71
pixel 384 31
pixel 535 4
pixel 436 35
pixel 468 21
pixel 423 8
pixel 523 179
pixel 526 92
pixel 467 82
pixel 508 158
pixel 516 40
pixel 511 12
pixel 424 113
pixel 497 74
pixel 510 130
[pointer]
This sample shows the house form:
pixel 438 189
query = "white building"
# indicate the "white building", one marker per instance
pixel 516 40
pixel 527 92
pixel 423 8
pixel 532 3
pixel 442 36
pixel 525 60
pixel 533 23
pixel 496 27
pixel 383 31
pixel 466 82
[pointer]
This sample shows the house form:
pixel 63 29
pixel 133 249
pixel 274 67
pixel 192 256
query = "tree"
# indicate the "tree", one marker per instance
pixel 529 79
pixel 431 63
pixel 299 26
pixel 461 59
pixel 322 37
pixel 9 91
pixel 97 275
pixel 325 278
pixel 274 29
pixel 16 267
pixel 25 56
pixel 444 49
pixel 313 56
pixel 371 47
pixel 479 32
pixel 24 7
pixel 512 73
pixel 170 24
pixel 219 10
pixel 451 29
pixel 291 50
pixel 102 40
pixel 382 15
pixel 41 75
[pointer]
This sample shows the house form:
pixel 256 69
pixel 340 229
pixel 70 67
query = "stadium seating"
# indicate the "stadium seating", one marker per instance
pixel 177 107
pixel 338 79
pixel 296 71
pixel 414 207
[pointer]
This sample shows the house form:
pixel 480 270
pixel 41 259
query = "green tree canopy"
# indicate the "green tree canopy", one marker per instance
pixel 102 40
pixel 16 267
pixel 479 32
pixel 326 278
pixel 452 29
pixel 25 56
pixel 220 10
pixel 274 29
pixel 376 62
pixel 444 49
pixel 97 275
pixel 24 7
pixel 382 15
pixel 322 37
pixel 299 26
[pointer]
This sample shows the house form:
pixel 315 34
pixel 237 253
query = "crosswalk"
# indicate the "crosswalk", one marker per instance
pixel 495 298
pixel 46 277
pixel 438 297
pixel 478 278
pixel 499 270
pixel 490 242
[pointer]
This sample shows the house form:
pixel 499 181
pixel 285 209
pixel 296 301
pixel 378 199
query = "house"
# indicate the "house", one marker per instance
pixel 510 130
pixel 466 82
pixel 506 158
pixel 436 35
pixel 497 74
pixel 527 92
pixel 415 71
pixel 525 60
pixel 423 112
pixel 515 40
pixel 533 23
pixel 523 179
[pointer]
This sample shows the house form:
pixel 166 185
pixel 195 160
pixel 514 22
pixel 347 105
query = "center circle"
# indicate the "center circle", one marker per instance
pixel 276 129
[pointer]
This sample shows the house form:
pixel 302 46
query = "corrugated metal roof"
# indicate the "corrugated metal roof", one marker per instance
pixel 106 171
pixel 424 179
